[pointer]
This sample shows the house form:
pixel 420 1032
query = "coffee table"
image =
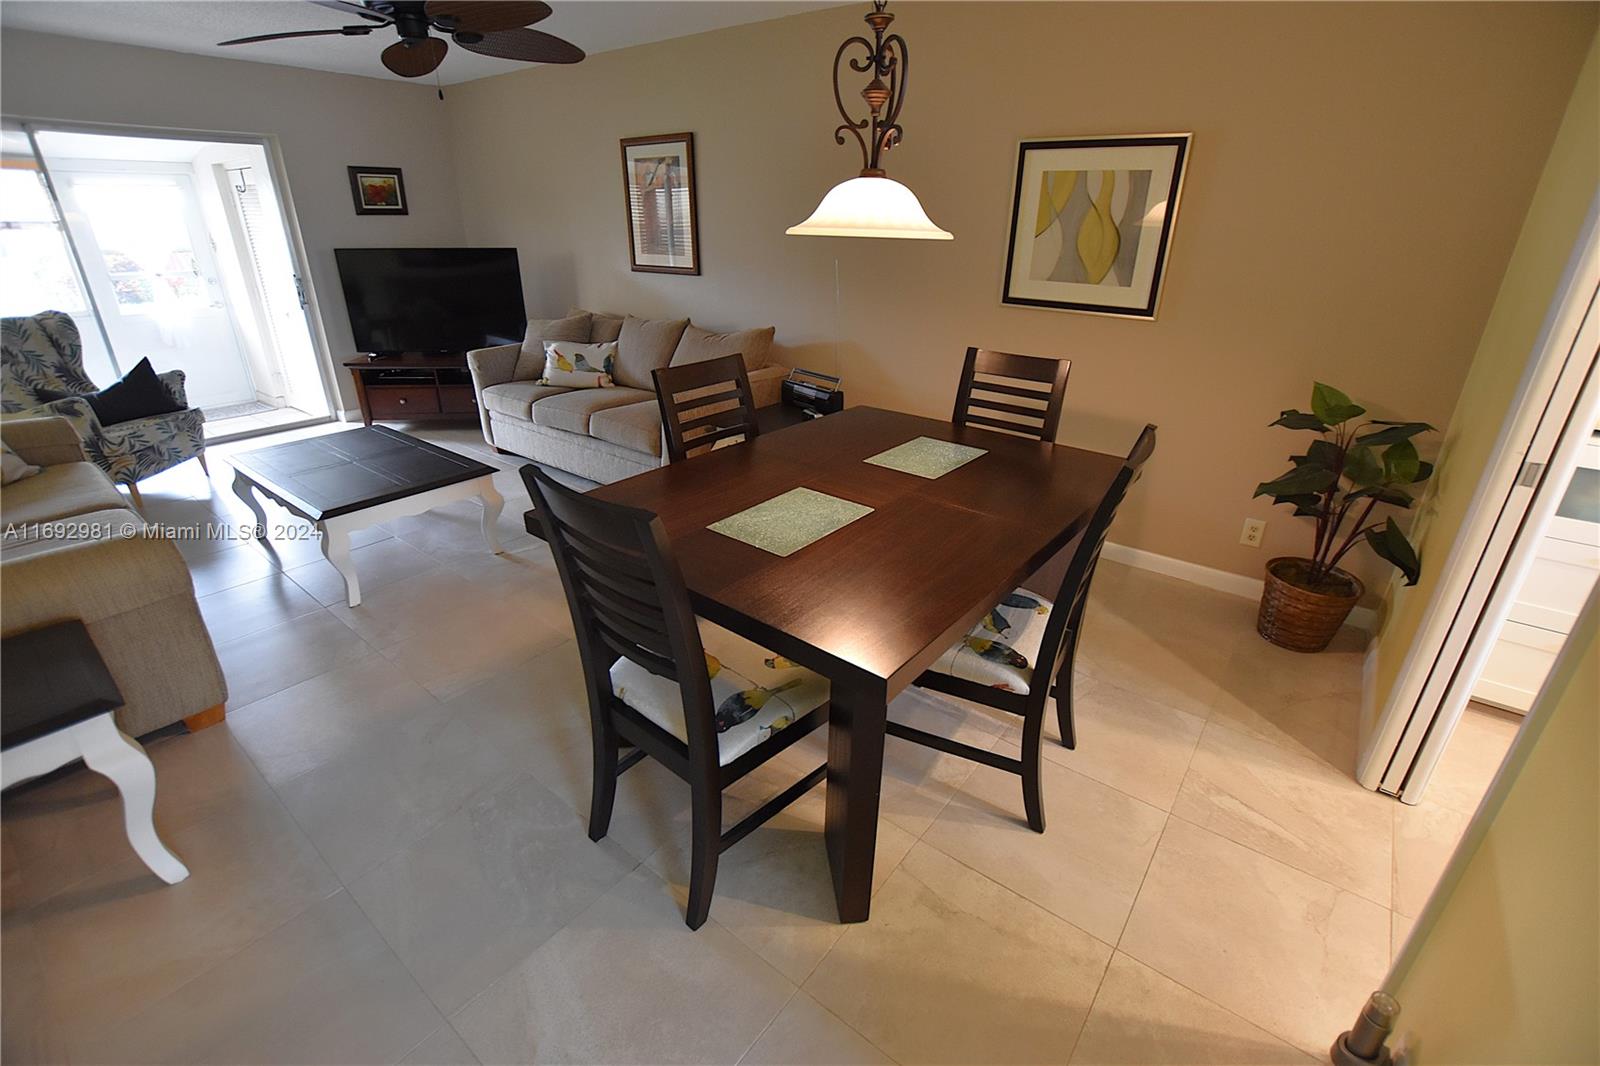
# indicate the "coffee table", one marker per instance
pixel 347 481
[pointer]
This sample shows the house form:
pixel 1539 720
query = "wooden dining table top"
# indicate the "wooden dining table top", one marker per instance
pixel 877 601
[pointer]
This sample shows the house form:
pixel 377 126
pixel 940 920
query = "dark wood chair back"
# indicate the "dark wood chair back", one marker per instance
pixel 703 403
pixel 627 598
pixel 1028 402
pixel 1068 613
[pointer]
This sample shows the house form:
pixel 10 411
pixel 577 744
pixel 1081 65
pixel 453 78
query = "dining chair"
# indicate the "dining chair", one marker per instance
pixel 685 394
pixel 1024 374
pixel 1008 659
pixel 706 703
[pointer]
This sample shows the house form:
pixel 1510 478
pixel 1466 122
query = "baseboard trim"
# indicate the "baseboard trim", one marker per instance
pixel 1210 577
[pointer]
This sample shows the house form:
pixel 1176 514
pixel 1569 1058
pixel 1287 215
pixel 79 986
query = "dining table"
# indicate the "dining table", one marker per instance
pixel 874 603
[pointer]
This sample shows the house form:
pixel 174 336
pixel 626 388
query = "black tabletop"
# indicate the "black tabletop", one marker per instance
pixel 324 477
pixel 51 678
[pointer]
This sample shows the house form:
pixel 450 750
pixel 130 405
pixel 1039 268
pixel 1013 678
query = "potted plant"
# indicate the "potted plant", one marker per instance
pixel 1353 467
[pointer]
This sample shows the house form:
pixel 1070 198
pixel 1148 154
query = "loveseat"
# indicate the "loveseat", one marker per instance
pixel 602 434
pixel 72 548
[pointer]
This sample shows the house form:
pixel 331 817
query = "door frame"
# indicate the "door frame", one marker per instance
pixel 1552 415
pixel 279 173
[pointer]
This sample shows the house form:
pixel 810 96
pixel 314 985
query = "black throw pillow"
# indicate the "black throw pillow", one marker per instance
pixel 139 394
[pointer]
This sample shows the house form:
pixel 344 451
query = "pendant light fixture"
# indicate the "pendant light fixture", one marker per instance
pixel 872 204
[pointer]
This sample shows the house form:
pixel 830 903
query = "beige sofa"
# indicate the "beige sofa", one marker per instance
pixel 66 553
pixel 608 434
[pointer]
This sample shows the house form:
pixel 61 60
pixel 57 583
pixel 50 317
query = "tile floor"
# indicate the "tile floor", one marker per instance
pixel 389 859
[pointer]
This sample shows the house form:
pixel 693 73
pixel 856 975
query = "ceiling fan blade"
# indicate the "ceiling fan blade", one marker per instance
pixel 487 16
pixel 530 46
pixel 345 31
pixel 414 58
pixel 358 10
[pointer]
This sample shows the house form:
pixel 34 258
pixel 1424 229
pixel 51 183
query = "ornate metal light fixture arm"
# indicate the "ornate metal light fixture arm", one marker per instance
pixel 886 57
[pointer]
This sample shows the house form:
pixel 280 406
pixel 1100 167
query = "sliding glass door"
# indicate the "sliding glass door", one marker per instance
pixel 175 249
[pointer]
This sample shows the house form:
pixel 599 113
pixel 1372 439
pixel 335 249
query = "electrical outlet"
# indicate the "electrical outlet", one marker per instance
pixel 1254 530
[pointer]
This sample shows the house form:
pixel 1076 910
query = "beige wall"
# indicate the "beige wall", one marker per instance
pixel 1504 965
pixel 1567 188
pixel 1359 176
pixel 322 122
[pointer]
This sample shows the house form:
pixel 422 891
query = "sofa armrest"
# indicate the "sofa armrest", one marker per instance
pixel 47 441
pixel 492 366
pixel 94 566
pixel 766 384
pixel 135 595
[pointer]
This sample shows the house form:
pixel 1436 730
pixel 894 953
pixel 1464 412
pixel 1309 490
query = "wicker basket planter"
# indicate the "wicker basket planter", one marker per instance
pixel 1297 618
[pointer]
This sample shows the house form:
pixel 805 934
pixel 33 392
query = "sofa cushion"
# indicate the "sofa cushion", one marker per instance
pixel 530 364
pixel 516 398
pixel 572 411
pixel 698 345
pixel 636 426
pixel 59 492
pixel 602 327
pixel 646 345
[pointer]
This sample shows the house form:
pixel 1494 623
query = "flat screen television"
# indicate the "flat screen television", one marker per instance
pixel 432 299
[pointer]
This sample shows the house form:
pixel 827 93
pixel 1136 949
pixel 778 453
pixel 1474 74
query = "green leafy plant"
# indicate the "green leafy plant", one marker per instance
pixel 1349 470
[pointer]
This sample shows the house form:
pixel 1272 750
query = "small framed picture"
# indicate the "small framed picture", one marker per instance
pixel 658 196
pixel 378 191
pixel 1091 223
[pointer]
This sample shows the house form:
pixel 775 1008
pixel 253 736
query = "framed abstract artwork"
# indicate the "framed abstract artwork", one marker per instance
pixel 658 194
pixel 378 191
pixel 1091 223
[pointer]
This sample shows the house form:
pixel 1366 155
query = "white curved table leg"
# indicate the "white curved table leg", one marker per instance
pixel 108 751
pixel 242 489
pixel 336 549
pixel 493 503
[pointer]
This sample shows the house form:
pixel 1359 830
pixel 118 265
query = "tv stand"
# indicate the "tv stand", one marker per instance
pixel 414 387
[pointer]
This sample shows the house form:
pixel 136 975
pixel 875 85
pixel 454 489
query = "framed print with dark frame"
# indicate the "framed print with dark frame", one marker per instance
pixel 378 191
pixel 658 196
pixel 1091 223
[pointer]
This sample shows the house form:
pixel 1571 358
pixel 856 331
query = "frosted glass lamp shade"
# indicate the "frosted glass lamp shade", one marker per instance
pixel 870 207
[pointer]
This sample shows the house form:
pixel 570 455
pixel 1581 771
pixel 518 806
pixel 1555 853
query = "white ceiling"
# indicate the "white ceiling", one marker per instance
pixel 197 25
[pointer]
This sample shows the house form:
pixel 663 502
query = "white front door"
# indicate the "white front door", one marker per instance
pixel 149 261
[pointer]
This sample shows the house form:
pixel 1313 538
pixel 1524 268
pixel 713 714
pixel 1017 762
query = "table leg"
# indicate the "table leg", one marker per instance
pixel 242 489
pixel 856 721
pixel 336 549
pixel 108 751
pixel 493 503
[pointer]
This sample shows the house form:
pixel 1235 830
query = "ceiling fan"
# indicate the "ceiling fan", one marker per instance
pixel 489 27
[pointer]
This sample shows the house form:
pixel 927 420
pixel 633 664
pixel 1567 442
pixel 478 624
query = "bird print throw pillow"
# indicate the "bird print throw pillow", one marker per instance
pixel 579 366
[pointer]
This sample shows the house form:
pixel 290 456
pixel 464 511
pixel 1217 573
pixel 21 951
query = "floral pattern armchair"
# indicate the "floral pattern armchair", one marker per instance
pixel 41 358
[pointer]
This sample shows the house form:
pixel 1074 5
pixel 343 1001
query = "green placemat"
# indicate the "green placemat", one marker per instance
pixel 785 524
pixel 926 457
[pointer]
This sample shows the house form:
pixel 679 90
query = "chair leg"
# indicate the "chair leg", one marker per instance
pixel 603 794
pixel 706 849
pixel 203 467
pixel 1063 693
pixel 133 494
pixel 1032 785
